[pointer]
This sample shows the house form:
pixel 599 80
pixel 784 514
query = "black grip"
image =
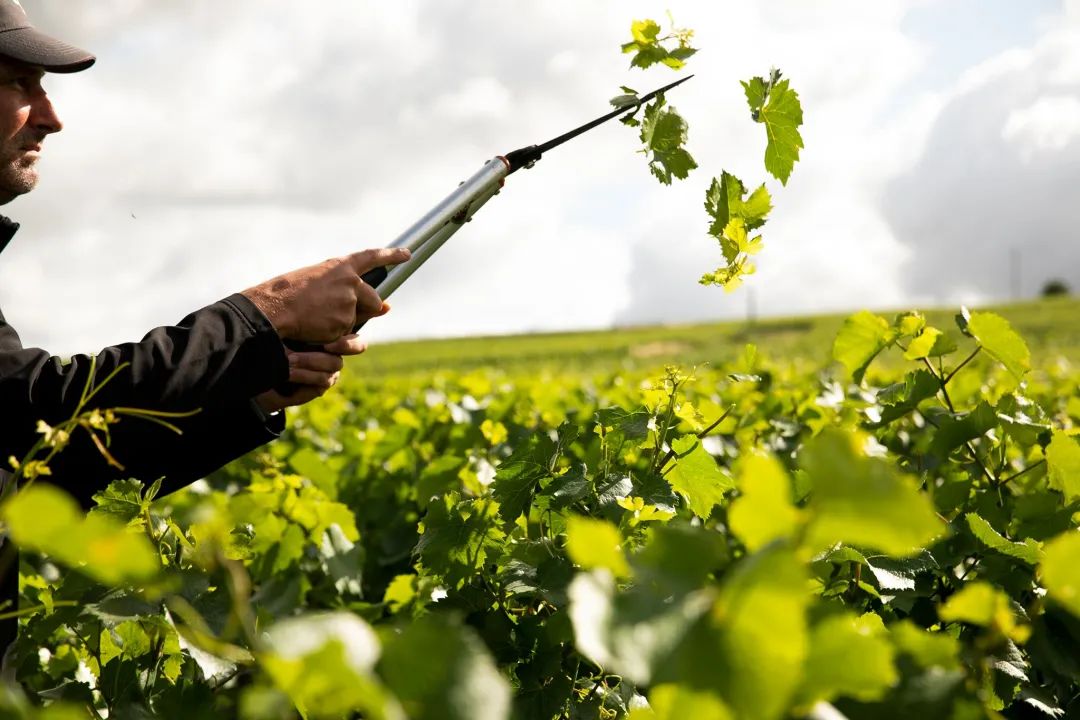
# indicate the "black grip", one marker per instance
pixel 373 278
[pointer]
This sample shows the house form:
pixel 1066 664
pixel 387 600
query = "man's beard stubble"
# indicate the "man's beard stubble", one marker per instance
pixel 18 176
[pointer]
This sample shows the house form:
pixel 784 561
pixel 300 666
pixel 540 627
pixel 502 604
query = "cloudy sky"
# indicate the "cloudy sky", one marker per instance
pixel 217 144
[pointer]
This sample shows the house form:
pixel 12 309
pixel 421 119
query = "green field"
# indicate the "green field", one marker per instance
pixel 1051 328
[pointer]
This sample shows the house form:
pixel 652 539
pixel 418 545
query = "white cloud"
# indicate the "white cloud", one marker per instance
pixel 988 200
pixel 478 97
pixel 1049 124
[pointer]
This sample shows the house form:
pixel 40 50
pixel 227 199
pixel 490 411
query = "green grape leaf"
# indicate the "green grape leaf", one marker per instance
pixel 518 476
pixel 863 336
pixel 923 345
pixel 680 557
pixel 849 656
pixel 996 337
pixel 324 663
pixel 955 430
pixel 927 649
pixel 440 670
pixel 46 519
pixel 649 49
pixel 864 501
pixel 127 641
pixel 312 465
pixel 566 489
pixel 901 398
pixel 733 217
pixel 752 647
pixel 773 103
pixel 764 511
pixel 401 592
pixel 725 199
pixel 1030 551
pixel 900 573
pixel 456 537
pixel 1061 572
pixel 635 632
pixel 1022 418
pixel 678 702
pixel 122 500
pixel 595 544
pixel 663 134
pixel 979 603
pixel 697 477
pixel 1063 464
pixel 910 324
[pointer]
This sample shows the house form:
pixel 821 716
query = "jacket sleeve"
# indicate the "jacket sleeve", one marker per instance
pixel 215 360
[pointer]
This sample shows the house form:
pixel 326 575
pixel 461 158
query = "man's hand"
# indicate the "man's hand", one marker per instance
pixel 325 301
pixel 313 373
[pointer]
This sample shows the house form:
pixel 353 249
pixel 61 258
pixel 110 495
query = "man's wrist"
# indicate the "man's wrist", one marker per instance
pixel 275 311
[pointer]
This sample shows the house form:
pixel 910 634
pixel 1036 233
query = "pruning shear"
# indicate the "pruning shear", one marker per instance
pixel 431 231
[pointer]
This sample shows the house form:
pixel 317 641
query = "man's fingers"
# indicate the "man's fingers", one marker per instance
pixel 377 257
pixel 346 345
pixel 319 361
pixel 368 303
pixel 313 378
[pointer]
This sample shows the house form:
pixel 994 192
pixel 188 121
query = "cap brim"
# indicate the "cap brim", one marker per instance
pixel 33 47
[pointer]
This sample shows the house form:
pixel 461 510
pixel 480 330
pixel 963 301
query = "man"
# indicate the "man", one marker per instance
pixel 225 360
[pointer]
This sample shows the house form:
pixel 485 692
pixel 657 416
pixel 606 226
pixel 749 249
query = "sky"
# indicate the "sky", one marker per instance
pixel 215 145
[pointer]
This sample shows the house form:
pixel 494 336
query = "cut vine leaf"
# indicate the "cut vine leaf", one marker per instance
pixel 734 215
pixel 650 48
pixel 663 134
pixel 774 104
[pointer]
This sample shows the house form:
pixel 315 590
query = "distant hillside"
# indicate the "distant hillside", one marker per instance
pixel 1051 328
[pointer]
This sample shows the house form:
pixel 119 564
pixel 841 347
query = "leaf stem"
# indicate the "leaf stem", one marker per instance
pixel 701 436
pixel 960 367
pixel 949 403
pixel 1026 470
pixel 31 610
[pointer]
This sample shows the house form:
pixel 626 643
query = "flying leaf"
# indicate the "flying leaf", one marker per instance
pixel 773 103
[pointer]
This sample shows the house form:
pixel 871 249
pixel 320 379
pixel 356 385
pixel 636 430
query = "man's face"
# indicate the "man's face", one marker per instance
pixel 26 117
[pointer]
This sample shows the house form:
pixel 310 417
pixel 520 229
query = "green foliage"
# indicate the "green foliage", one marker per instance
pixel 751 541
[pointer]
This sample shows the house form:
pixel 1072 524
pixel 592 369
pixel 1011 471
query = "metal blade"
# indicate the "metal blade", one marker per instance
pixel 525 157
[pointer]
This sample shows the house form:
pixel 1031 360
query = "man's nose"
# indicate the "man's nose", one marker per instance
pixel 43 115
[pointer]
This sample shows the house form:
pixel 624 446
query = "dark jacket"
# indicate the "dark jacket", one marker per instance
pixel 215 359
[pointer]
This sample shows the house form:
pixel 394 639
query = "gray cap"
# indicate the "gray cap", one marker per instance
pixel 19 40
